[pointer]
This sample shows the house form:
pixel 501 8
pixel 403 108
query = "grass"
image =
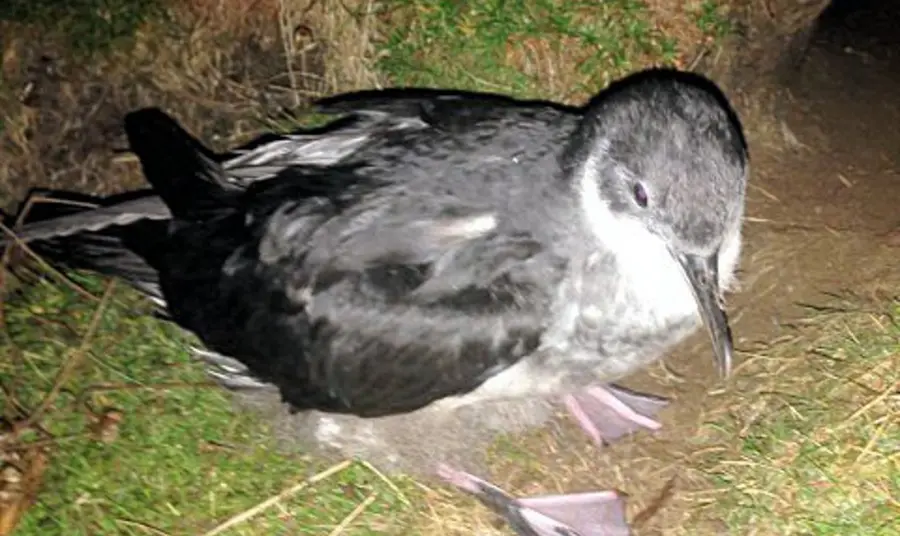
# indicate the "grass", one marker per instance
pixel 87 26
pixel 818 449
pixel 532 48
pixel 222 68
pixel 179 458
pixel 712 20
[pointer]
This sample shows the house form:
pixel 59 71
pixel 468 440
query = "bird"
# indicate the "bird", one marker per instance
pixel 439 249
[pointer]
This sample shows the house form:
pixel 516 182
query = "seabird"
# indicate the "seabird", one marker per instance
pixel 441 249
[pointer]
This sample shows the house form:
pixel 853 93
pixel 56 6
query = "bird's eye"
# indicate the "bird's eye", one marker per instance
pixel 640 195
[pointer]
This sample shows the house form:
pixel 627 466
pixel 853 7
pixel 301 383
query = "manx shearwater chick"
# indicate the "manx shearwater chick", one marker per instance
pixel 433 252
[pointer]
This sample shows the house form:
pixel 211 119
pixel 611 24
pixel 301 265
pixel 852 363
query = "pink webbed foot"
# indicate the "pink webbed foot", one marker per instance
pixel 599 513
pixel 606 413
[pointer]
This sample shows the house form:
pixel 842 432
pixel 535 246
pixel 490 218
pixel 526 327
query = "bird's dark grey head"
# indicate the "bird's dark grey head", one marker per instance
pixel 665 148
pixel 660 157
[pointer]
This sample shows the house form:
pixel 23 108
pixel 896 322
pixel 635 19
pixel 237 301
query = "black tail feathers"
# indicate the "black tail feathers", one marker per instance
pixel 184 172
pixel 73 231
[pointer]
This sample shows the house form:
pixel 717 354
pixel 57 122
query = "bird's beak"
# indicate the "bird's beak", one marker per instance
pixel 703 274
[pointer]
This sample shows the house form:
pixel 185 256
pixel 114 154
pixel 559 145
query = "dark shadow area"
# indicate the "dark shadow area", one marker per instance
pixel 840 116
pixel 865 30
pixel 869 26
pixel 845 86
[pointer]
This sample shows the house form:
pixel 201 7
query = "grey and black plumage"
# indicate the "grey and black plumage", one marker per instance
pixel 443 250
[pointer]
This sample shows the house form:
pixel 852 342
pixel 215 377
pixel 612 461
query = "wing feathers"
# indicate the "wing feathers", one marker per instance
pixel 480 263
pixel 454 302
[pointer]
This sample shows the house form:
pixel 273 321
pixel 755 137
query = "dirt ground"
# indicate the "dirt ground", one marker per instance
pixel 822 218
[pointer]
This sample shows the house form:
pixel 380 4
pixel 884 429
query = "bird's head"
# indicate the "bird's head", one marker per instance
pixel 663 152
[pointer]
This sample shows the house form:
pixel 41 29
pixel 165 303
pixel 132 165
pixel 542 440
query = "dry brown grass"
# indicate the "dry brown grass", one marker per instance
pixel 807 441
pixel 678 20
pixel 223 68
pixel 564 51
pixel 567 67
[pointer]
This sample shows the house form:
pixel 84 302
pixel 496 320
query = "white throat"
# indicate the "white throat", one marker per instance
pixel 653 277
pixel 644 252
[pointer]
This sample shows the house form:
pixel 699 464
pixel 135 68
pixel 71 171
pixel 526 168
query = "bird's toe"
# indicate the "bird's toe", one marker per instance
pixel 606 413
